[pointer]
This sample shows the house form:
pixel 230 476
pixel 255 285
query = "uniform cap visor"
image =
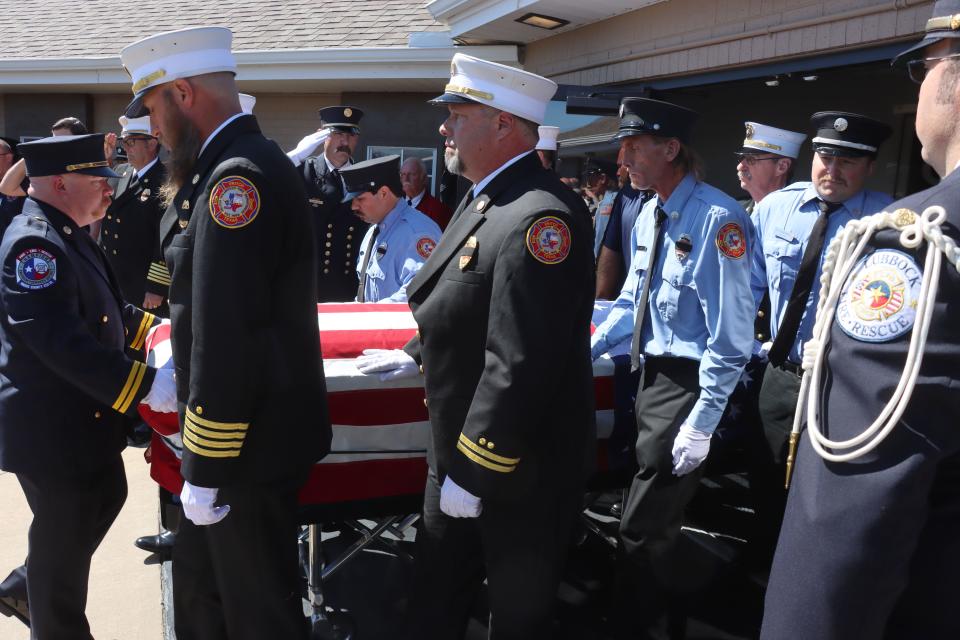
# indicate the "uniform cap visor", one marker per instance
pixel 102 172
pixel 136 109
pixel 354 130
pixel 350 195
pixel 842 152
pixel 451 98
pixel 904 56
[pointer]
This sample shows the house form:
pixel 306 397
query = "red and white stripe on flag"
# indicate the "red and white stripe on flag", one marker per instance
pixel 380 429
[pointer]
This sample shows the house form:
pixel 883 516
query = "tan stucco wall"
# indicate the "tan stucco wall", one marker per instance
pixel 695 36
pixel 284 117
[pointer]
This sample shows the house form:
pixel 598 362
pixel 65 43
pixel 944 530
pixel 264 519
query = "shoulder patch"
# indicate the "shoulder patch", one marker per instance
pixel 879 300
pixel 36 269
pixel 425 246
pixel 548 240
pixel 731 240
pixel 234 202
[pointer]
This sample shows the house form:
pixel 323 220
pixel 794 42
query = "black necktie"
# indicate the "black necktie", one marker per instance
pixel 787 333
pixel 361 290
pixel 635 346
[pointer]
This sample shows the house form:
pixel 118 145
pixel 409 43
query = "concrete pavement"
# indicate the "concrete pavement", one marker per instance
pixel 124 597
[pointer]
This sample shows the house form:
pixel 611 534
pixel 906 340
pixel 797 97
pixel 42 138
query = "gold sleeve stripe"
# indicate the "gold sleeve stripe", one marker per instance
pixel 483 462
pixel 130 387
pixel 158 273
pixel 467 442
pixel 141 334
pixel 218 435
pixel 201 451
pixel 213 444
pixel 218 426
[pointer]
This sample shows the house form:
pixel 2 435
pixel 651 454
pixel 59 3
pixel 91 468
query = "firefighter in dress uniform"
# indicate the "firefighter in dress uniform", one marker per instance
pixel 870 544
pixel 503 307
pixel 250 387
pixel 338 230
pixel 68 386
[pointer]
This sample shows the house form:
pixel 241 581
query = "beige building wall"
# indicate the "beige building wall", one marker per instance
pixel 284 117
pixel 679 37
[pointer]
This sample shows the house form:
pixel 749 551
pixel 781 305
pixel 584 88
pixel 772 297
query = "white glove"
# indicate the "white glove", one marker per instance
pixel 391 364
pixel 764 349
pixel 457 502
pixel 308 145
pixel 198 505
pixel 596 348
pixel 690 449
pixel 162 396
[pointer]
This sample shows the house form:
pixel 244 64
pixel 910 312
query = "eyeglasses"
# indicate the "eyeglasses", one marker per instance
pixel 917 69
pixel 129 142
pixel 751 160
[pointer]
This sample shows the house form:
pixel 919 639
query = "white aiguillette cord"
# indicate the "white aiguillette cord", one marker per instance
pixel 842 255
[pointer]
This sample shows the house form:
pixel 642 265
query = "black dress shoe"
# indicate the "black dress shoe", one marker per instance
pixel 162 544
pixel 10 606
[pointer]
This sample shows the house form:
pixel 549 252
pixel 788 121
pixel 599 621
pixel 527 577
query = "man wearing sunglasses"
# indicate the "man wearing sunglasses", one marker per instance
pixel 794 227
pixel 870 548
pixel 130 233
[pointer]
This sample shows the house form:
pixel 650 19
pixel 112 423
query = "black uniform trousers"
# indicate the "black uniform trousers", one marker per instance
pixel 520 547
pixel 239 578
pixel 71 515
pixel 648 586
pixel 779 395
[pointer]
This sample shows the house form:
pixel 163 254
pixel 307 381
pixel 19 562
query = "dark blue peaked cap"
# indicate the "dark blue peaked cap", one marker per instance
pixel 66 154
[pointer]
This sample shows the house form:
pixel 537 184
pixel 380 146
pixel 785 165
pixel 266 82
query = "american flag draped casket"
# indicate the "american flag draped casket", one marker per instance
pixel 380 429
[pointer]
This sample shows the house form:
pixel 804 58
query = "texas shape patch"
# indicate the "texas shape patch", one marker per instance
pixel 36 269
pixel 234 202
pixel 548 240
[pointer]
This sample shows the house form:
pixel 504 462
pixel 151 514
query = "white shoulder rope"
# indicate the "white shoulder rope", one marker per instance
pixel 842 256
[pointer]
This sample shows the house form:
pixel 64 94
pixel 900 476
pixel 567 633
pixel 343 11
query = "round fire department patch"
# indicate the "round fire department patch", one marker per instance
pixel 425 247
pixel 548 240
pixel 234 202
pixel 36 269
pixel 879 300
pixel 731 241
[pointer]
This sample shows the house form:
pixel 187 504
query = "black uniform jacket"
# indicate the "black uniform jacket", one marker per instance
pixel 863 371
pixel 238 241
pixel 67 383
pixel 338 230
pixel 504 339
pixel 129 234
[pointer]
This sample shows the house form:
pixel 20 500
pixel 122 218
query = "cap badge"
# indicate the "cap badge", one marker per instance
pixel 750 131
pixel 840 124
pixel 548 240
pixel 347 112
pixel 955 22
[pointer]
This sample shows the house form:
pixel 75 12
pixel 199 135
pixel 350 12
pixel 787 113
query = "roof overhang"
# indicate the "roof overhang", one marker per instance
pixel 495 20
pixel 406 69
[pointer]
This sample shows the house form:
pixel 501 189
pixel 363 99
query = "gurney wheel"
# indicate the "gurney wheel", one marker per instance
pixel 336 625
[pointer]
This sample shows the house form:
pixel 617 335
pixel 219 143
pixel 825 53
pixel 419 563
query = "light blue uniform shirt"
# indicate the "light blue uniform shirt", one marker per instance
pixel 699 306
pixel 406 239
pixel 782 222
